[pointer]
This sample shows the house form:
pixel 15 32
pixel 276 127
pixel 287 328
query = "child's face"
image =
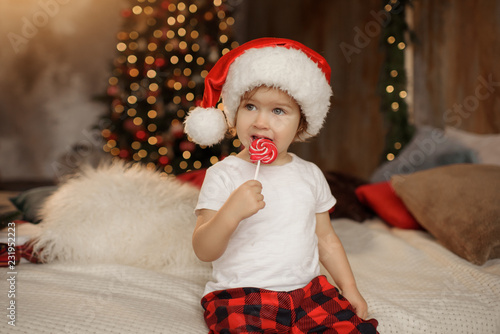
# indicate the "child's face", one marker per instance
pixel 268 113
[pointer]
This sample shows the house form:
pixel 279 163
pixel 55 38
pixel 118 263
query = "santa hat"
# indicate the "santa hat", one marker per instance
pixel 273 62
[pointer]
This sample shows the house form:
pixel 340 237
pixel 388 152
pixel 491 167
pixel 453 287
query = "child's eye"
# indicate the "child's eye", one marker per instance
pixel 250 107
pixel 278 111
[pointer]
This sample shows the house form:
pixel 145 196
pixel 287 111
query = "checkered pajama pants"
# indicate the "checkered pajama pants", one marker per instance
pixel 316 308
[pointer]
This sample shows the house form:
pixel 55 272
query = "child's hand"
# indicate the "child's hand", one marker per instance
pixel 357 301
pixel 246 200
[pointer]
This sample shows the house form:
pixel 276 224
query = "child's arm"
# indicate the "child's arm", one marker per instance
pixel 214 228
pixel 333 257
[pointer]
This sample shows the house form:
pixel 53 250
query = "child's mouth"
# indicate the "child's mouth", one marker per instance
pixel 259 137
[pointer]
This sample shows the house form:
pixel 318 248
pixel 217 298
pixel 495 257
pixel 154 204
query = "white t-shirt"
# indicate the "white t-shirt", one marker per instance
pixel 276 248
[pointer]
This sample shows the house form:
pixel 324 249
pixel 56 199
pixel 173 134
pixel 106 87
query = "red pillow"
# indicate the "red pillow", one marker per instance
pixel 194 177
pixel 11 254
pixel 382 199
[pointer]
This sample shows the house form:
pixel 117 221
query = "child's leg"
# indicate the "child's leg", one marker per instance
pixel 247 310
pixel 321 309
pixel 317 308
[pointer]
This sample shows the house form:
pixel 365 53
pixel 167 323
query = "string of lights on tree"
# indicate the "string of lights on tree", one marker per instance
pixel 164 52
pixel 393 80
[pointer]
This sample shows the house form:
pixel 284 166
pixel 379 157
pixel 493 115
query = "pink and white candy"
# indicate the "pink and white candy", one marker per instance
pixel 262 150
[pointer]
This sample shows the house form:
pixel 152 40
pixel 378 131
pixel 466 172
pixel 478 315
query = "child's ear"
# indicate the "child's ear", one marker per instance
pixel 298 135
pixel 301 129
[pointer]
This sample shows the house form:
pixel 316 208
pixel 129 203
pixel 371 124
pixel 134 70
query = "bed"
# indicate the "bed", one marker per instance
pixel 411 284
pixel 104 281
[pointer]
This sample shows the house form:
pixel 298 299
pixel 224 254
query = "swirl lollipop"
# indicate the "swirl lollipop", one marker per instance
pixel 262 150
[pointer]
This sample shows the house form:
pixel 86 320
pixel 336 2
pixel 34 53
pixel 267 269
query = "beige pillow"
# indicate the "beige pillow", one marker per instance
pixel 459 205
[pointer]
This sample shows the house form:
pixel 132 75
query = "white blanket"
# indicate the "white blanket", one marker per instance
pixel 411 284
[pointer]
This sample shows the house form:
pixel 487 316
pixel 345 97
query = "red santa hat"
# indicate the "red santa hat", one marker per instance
pixel 273 62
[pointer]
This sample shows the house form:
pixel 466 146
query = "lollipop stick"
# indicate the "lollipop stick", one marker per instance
pixel 257 170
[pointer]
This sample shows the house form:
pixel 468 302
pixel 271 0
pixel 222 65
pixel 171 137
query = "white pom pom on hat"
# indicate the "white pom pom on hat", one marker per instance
pixel 274 62
pixel 206 126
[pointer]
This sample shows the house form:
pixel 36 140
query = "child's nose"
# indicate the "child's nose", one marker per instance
pixel 261 120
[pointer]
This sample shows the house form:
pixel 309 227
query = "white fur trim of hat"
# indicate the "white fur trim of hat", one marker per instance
pixel 273 62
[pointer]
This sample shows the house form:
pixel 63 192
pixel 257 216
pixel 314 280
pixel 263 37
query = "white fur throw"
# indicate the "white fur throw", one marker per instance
pixel 119 213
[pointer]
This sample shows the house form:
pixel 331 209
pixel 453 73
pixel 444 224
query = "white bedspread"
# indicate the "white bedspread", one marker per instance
pixel 414 285
pixel 411 284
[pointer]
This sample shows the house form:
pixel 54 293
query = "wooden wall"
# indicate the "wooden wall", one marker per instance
pixel 457 64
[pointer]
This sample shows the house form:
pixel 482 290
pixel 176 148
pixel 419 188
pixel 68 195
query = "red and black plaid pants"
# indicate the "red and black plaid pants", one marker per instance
pixel 316 308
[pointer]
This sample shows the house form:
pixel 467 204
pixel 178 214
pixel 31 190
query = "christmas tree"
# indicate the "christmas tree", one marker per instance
pixel 165 50
pixel 393 79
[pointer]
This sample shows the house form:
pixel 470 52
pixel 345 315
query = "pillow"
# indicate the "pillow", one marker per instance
pixel 30 201
pixel 8 211
pixel 343 188
pixel 459 205
pixel 429 148
pixel 122 214
pixel 8 216
pixel 487 146
pixel 382 199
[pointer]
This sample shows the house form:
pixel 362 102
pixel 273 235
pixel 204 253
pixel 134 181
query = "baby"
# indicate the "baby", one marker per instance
pixel 266 237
